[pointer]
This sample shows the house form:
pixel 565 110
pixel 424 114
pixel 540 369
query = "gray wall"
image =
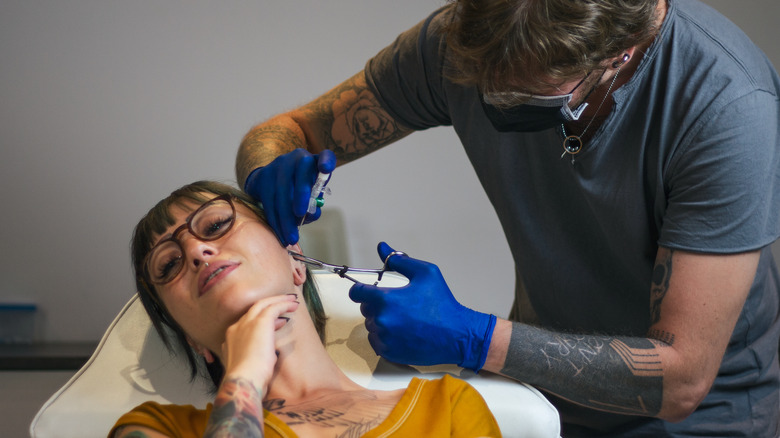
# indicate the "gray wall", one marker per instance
pixel 106 106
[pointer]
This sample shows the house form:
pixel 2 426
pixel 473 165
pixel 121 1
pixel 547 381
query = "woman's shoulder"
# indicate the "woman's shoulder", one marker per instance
pixel 469 415
pixel 166 418
pixel 155 408
pixel 447 381
pixel 445 390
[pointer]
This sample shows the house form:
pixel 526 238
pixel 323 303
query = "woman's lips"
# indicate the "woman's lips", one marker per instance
pixel 213 274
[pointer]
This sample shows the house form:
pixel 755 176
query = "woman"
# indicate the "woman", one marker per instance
pixel 209 268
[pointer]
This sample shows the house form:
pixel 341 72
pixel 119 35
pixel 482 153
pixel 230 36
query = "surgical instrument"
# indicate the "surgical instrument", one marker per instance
pixel 343 269
pixel 318 191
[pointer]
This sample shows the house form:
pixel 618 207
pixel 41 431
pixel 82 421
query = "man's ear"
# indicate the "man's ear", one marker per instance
pixel 298 268
pixel 201 350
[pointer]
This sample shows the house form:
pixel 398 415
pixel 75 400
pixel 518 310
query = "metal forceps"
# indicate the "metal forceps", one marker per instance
pixel 342 270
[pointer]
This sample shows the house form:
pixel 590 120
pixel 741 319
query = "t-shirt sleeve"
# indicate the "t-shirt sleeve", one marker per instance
pixel 171 420
pixel 471 416
pixel 724 186
pixel 406 76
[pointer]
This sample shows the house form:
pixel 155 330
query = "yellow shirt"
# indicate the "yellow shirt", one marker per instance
pixel 428 408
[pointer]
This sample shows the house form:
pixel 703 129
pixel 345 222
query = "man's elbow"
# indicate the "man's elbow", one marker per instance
pixel 683 400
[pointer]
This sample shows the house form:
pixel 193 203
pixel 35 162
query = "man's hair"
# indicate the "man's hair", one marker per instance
pixel 154 224
pixel 532 44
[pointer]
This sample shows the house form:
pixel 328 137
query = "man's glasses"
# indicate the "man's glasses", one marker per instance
pixel 508 99
pixel 209 222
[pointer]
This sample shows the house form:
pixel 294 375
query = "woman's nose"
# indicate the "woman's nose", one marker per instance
pixel 197 251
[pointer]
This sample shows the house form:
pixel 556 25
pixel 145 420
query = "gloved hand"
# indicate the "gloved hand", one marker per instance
pixel 422 323
pixel 284 188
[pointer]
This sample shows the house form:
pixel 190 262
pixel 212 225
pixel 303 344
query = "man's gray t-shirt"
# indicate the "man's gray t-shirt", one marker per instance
pixel 688 159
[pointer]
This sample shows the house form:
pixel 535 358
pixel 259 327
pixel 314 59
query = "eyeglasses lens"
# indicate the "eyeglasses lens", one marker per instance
pixel 210 222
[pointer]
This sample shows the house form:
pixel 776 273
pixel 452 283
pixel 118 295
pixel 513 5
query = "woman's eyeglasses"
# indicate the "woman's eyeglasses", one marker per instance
pixel 209 222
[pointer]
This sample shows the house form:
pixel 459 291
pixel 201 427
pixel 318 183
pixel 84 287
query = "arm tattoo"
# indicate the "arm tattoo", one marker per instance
pixel 666 339
pixel 662 272
pixel 616 374
pixel 237 410
pixel 277 133
pixel 360 125
pixel 257 147
pixel 119 433
pixel 347 119
pixel 351 121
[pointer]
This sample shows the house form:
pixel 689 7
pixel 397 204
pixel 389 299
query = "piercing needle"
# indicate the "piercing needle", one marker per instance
pixel 318 190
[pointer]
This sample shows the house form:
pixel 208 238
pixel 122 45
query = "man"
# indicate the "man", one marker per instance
pixel 630 149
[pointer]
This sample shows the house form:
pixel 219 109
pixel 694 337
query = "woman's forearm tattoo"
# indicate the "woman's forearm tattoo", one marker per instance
pixel 120 433
pixel 237 410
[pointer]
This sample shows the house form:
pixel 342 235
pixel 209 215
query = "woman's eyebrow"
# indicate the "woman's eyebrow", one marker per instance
pixel 162 237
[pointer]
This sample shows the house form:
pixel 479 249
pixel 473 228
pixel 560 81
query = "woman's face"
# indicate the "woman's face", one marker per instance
pixel 245 265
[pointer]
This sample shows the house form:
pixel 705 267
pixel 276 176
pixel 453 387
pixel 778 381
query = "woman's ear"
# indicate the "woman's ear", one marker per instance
pixel 201 350
pixel 298 267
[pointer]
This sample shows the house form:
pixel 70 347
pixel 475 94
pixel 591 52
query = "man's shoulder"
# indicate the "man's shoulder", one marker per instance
pixel 702 33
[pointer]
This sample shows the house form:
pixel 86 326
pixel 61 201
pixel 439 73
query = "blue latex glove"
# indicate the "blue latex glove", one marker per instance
pixel 422 323
pixel 284 188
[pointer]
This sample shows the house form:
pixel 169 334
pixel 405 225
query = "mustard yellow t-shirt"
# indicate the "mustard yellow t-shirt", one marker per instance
pixel 430 408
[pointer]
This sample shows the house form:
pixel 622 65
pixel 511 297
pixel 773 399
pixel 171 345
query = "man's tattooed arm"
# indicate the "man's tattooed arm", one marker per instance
pixel 662 273
pixel 616 374
pixel 237 411
pixel 264 143
pixel 347 119
pixel 694 303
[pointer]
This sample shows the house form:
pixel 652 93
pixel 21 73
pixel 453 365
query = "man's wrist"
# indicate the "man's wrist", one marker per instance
pixel 499 345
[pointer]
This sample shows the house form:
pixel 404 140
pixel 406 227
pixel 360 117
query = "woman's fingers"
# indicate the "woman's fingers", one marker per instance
pixel 249 349
pixel 265 315
pixel 275 305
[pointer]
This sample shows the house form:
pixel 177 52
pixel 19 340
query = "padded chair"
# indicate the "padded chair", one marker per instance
pixel 131 365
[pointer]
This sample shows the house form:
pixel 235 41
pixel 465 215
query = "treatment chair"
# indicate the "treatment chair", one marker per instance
pixel 131 366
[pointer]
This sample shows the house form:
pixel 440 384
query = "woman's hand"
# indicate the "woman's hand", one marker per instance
pixel 249 348
pixel 249 356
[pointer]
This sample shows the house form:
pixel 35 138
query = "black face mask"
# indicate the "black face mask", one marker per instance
pixel 526 117
pixel 538 114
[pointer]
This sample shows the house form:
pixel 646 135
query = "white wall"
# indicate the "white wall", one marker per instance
pixel 107 106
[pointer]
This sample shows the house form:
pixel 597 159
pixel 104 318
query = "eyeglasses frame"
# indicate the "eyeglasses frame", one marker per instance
pixel 187 226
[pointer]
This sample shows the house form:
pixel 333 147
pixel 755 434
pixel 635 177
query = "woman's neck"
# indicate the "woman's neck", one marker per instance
pixel 311 394
pixel 303 367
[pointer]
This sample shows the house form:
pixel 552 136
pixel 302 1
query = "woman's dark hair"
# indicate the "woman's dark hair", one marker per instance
pixel 154 224
pixel 538 43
